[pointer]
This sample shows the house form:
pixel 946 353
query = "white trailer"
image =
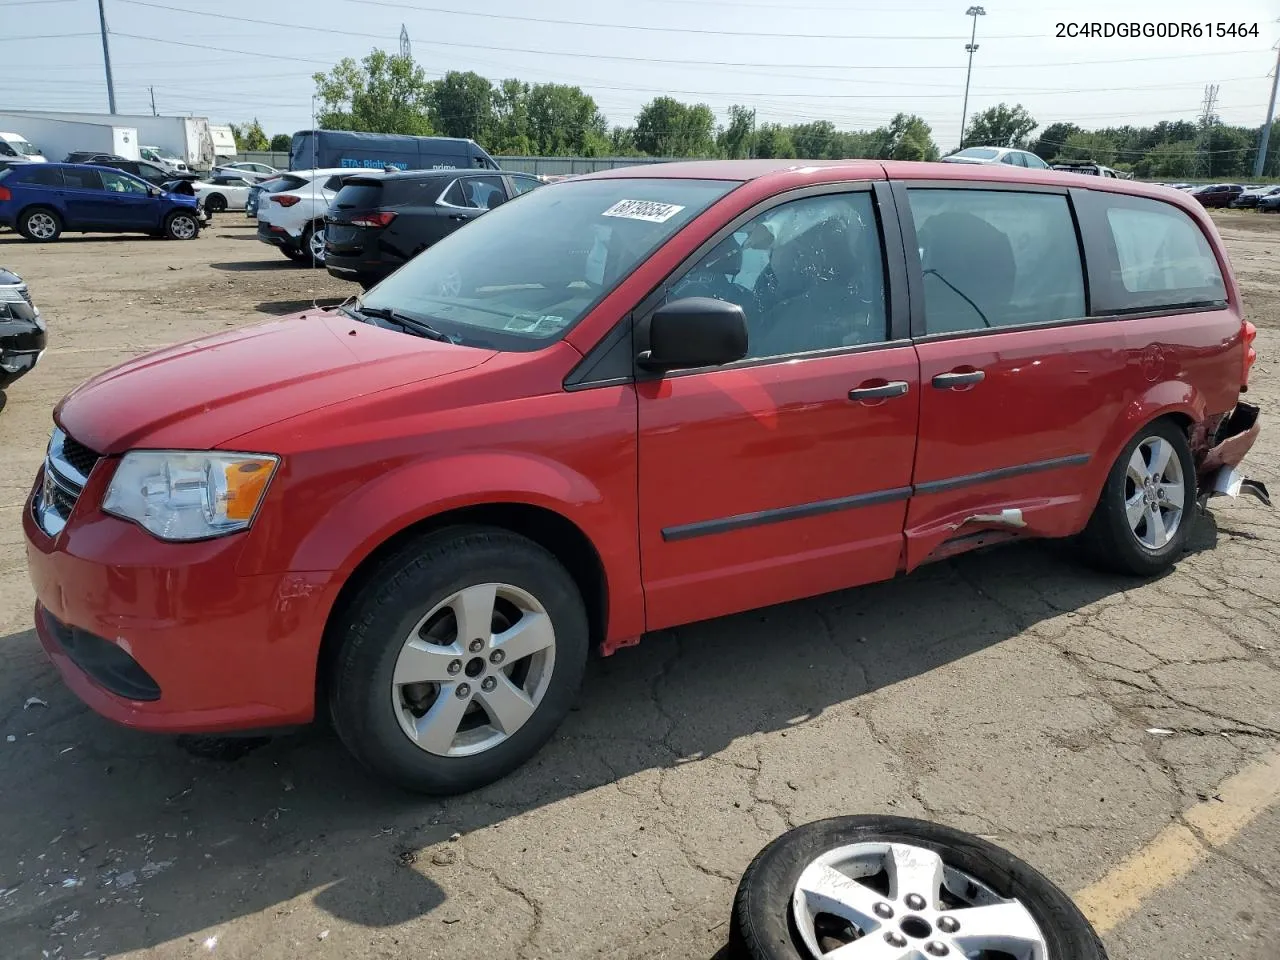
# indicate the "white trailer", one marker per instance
pixel 186 138
pixel 55 137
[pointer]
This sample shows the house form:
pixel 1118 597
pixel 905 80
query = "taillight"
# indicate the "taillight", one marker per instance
pixel 284 199
pixel 1250 333
pixel 380 219
pixel 5 194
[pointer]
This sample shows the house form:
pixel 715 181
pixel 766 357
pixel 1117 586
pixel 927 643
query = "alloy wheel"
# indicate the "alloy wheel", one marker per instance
pixel 183 227
pixel 1154 492
pixel 473 670
pixel 42 226
pixel 315 245
pixel 898 901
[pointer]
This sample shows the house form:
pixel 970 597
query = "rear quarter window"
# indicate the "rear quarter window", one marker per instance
pixel 1147 255
pixel 43 176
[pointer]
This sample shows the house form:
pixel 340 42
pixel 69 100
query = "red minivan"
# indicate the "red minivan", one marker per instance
pixel 621 403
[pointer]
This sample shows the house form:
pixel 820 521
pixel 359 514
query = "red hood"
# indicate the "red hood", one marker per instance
pixel 199 394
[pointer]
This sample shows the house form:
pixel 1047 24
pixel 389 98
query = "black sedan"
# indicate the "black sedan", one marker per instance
pixel 22 330
pixel 1269 204
pixel 1251 198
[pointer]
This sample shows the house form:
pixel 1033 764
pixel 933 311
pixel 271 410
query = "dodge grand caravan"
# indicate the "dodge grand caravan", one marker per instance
pixel 629 401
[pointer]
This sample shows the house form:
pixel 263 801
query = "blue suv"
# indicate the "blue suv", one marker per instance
pixel 41 200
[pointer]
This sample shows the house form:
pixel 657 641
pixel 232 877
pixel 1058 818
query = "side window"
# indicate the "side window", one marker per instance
pixel 996 258
pixel 334 183
pixel 80 179
pixel 454 195
pixel 1011 159
pixel 524 184
pixel 115 182
pixel 484 193
pixel 1034 162
pixel 1163 258
pixel 44 175
pixel 808 274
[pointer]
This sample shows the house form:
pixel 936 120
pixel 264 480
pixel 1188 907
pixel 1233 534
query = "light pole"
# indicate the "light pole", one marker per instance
pixel 972 47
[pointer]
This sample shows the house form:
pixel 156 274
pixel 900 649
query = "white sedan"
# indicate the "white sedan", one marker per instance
pixel 253 172
pixel 222 193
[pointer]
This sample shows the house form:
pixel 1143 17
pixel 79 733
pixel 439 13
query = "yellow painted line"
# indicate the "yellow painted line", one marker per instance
pixel 1177 849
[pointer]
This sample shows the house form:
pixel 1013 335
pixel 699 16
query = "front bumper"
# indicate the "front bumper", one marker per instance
pixel 14 365
pixel 167 636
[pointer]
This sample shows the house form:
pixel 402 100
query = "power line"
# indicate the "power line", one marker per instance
pixel 48 36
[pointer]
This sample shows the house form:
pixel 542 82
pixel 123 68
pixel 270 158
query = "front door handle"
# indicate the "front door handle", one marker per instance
pixel 457 216
pixel 882 391
pixel 947 381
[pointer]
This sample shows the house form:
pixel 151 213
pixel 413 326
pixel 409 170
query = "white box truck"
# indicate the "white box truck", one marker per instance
pixel 56 136
pixel 186 138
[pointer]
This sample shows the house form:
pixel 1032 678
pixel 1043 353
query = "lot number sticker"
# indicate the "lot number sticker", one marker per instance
pixel 649 210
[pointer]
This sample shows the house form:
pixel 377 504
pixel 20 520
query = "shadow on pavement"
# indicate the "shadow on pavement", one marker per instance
pixel 297 816
pixel 283 307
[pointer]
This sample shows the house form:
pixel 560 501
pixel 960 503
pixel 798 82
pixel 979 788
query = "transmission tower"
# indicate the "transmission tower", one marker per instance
pixel 1208 120
pixel 406 48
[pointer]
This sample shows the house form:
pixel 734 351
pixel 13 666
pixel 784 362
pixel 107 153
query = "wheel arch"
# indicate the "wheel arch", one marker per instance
pixel 38 205
pixel 554 532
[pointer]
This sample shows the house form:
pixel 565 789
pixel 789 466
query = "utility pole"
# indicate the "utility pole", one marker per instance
pixel 1265 135
pixel 106 56
pixel 1208 120
pixel 153 101
pixel 972 47
pixel 406 48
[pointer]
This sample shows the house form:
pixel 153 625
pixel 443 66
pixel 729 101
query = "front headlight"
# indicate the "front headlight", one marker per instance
pixel 180 495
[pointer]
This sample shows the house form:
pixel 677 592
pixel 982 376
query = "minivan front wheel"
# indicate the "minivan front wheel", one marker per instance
pixel 457 660
pixel 1144 516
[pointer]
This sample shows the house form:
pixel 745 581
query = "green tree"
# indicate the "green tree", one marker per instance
pixel 281 143
pixel 1083 145
pixel 665 127
pixel 1230 152
pixel 511 119
pixel 622 142
pixel 249 136
pixel 1051 140
pixel 565 121
pixel 999 126
pixel 381 94
pixel 462 105
pixel 1175 160
pixel 773 141
pixel 814 140
pixel 737 140
pixel 910 138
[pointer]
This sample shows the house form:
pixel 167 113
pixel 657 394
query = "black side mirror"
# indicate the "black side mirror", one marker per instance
pixel 694 332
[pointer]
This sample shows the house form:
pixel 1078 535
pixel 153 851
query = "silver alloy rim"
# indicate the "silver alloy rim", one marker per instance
pixel 846 909
pixel 473 670
pixel 317 245
pixel 1154 492
pixel 184 228
pixel 41 226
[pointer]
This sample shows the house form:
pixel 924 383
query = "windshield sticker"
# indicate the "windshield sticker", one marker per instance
pixel 649 210
pixel 526 323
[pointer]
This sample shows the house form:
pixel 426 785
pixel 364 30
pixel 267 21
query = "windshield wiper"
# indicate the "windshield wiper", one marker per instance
pixel 405 322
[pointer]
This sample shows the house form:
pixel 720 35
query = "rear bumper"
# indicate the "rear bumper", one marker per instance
pixel 1220 472
pixel 276 236
pixel 355 267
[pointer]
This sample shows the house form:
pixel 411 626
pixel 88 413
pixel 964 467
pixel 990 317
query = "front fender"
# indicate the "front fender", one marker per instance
pixel 356 525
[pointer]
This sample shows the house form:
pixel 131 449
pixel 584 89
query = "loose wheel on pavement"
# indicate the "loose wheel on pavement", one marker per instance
pixel 181 225
pixel 890 888
pixel 457 660
pixel 40 224
pixel 1144 516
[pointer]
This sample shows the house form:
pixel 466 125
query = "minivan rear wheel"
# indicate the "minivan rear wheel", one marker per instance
pixel 1144 516
pixel 457 660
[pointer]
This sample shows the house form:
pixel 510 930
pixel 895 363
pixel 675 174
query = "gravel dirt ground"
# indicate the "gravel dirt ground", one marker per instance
pixel 1012 694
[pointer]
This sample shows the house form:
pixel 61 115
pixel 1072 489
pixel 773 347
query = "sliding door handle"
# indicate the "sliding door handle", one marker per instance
pixel 882 391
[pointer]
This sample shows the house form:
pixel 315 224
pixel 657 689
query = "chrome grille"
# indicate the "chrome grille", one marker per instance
pixel 66 470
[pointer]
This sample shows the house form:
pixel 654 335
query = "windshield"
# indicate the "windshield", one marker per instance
pixel 521 275
pixel 24 148
pixel 978 153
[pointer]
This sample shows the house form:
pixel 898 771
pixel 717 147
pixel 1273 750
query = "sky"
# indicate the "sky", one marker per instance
pixel 853 62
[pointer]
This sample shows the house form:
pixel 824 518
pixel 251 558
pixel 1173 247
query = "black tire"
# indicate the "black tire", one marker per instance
pixel 297 256
pixel 181 225
pixel 1108 540
pixel 370 633
pixel 31 216
pixel 215 203
pixel 763 927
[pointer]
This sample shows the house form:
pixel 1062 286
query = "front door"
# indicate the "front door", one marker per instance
pixel 129 204
pixel 1018 388
pixel 786 474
